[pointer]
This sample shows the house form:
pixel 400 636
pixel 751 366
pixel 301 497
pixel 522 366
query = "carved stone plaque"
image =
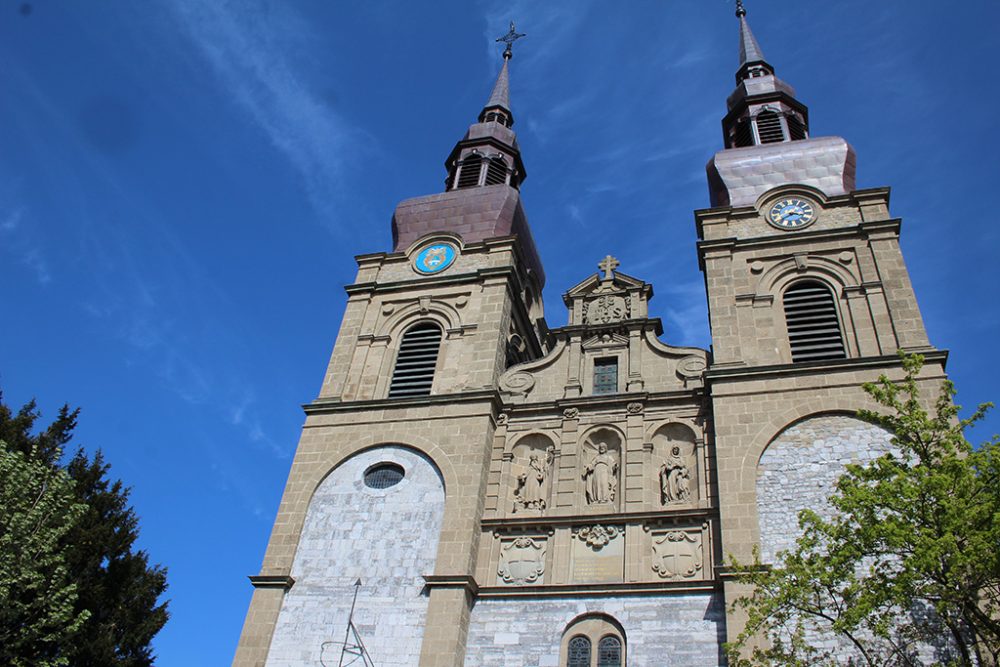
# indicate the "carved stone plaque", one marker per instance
pixel 606 309
pixel 522 562
pixel 678 554
pixel 598 554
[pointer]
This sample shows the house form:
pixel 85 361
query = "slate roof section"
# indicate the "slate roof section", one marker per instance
pixel 750 51
pixel 739 176
pixel 500 97
pixel 475 214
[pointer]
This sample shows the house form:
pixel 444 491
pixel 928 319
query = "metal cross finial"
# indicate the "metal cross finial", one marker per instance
pixel 740 9
pixel 509 39
pixel 608 265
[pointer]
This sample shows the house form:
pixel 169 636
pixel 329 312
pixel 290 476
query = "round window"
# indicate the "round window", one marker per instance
pixel 384 475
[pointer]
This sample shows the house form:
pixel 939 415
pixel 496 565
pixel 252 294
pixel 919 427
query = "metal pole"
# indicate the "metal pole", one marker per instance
pixel 350 622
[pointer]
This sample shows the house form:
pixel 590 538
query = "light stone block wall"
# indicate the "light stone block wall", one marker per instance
pixel 799 470
pixel 660 631
pixel 386 537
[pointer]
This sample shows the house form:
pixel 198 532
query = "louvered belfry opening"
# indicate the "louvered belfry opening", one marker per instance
pixel 796 129
pixel 769 127
pixel 468 172
pixel 743 134
pixel 813 325
pixel 496 171
pixel 415 363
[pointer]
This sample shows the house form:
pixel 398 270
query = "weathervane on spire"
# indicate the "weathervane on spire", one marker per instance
pixel 740 9
pixel 509 39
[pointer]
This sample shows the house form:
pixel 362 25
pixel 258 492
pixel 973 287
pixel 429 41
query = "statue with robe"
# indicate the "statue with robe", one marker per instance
pixel 530 492
pixel 601 477
pixel 675 478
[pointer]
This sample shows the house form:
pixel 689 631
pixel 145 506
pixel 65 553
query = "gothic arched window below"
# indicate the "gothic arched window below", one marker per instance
pixel 416 360
pixel 813 325
pixel 586 632
pixel 579 652
pixel 609 652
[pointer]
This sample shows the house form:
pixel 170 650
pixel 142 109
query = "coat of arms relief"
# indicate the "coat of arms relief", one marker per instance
pixel 678 554
pixel 522 561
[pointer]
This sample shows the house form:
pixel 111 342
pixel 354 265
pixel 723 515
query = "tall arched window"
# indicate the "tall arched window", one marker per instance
pixel 416 361
pixel 588 631
pixel 579 652
pixel 813 325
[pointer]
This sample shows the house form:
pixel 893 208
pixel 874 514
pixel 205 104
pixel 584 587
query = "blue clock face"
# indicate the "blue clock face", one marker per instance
pixel 435 258
pixel 791 213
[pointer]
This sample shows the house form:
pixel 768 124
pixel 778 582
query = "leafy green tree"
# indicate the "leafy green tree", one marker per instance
pixel 39 615
pixel 115 584
pixel 910 556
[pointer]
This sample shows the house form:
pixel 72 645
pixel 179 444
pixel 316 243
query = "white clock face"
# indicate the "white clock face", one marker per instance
pixel 791 213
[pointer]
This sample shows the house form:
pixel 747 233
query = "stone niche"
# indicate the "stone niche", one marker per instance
pixel 529 474
pixel 675 464
pixel 600 468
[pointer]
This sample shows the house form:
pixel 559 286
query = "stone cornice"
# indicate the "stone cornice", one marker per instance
pixel 284 582
pixel 673 517
pixel 323 406
pixel 735 372
pixel 868 229
pixel 578 589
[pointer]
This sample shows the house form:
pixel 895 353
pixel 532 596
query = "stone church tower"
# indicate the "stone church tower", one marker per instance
pixel 475 488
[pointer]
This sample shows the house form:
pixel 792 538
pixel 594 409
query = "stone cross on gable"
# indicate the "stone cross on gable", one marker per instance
pixel 608 265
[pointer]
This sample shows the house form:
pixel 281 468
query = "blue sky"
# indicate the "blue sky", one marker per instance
pixel 184 184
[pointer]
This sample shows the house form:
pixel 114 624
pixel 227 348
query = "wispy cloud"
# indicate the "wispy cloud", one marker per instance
pixel 18 241
pixel 247 46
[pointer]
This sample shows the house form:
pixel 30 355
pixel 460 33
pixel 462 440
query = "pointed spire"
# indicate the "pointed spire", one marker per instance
pixel 500 97
pixel 750 51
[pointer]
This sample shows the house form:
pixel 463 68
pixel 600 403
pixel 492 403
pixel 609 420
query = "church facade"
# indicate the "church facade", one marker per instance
pixel 474 488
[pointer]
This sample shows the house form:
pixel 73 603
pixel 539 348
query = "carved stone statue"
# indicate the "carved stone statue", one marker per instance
pixel 601 477
pixel 675 478
pixel 530 492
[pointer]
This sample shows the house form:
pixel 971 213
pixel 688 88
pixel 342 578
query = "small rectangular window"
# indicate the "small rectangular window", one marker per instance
pixel 606 375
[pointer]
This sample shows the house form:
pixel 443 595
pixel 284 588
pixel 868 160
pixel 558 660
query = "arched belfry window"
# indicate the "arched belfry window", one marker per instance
pixel 593 640
pixel 769 127
pixel 468 171
pixel 496 171
pixel 813 326
pixel 416 361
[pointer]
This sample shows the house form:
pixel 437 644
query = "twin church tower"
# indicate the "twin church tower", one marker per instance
pixel 474 488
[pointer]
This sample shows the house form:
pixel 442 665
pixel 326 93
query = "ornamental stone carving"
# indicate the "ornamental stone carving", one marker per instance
pixel 597 537
pixel 678 554
pixel 675 478
pixel 518 382
pixel 522 561
pixel 502 419
pixel 691 367
pixel 606 309
pixel 532 485
pixel 571 413
pixel 634 408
